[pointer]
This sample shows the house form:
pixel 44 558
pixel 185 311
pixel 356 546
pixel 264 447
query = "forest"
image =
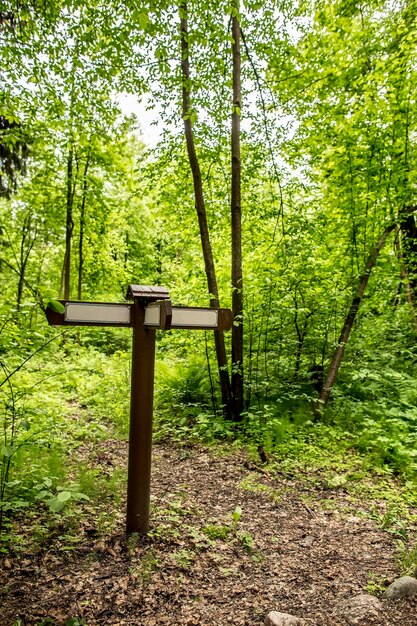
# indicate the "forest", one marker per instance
pixel 268 167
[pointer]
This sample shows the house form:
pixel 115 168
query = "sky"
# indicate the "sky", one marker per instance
pixel 148 120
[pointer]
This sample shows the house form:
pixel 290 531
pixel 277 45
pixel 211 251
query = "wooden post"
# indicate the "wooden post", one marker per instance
pixel 140 435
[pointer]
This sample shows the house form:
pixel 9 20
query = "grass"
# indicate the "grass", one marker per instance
pixel 253 483
pixel 407 557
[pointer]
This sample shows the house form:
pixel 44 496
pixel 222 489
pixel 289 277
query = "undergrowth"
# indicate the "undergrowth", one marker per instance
pixel 73 395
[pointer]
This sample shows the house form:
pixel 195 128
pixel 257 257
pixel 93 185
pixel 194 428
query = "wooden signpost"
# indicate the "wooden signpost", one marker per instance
pixel 150 310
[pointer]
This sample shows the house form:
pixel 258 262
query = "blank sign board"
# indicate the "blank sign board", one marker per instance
pixel 183 317
pixel 96 313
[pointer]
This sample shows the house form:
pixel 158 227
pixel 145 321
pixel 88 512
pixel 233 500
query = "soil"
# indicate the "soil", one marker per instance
pixel 298 547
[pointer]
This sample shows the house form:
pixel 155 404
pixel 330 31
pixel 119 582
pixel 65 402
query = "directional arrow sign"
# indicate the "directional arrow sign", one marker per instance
pixel 97 313
pixel 91 314
pixel 193 318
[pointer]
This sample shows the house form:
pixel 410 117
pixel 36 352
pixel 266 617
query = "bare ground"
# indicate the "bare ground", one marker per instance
pixel 298 547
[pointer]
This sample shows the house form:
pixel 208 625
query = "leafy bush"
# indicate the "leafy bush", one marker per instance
pixel 182 384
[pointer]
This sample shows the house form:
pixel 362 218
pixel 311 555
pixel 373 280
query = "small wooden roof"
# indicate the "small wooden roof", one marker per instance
pixel 147 292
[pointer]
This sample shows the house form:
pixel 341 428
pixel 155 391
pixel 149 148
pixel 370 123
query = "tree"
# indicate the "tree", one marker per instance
pixel 201 212
pixel 236 223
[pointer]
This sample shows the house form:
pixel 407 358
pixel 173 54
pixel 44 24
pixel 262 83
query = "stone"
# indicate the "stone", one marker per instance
pixel 401 588
pixel 359 609
pixel 308 541
pixel 274 618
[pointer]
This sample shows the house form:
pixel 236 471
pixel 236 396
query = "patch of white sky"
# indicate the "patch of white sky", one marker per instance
pixel 147 112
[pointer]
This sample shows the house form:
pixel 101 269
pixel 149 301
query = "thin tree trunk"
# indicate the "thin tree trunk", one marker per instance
pixel 349 321
pixel 236 214
pixel 22 268
pixel 71 182
pixel 301 333
pixel 22 279
pixel 250 358
pixel 409 251
pixel 82 225
pixel 405 278
pixel 259 330
pixel 201 212
pixel 266 340
pixel 24 258
pixel 126 257
pixel 213 395
pixel 69 226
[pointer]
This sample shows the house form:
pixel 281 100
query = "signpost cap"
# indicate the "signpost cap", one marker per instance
pixel 147 293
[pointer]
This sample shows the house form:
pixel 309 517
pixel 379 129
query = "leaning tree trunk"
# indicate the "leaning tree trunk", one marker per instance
pixel 236 214
pixel 201 211
pixel 349 321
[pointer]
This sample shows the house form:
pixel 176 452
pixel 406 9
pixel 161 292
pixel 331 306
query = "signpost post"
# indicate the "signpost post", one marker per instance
pixel 151 310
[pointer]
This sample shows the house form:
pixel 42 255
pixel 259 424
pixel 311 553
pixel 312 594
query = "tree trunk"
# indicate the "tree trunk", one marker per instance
pixel 82 225
pixel 201 212
pixel 301 331
pixel 301 335
pixel 407 264
pixel 409 251
pixel 236 214
pixel 349 321
pixel 69 227
pixel 26 245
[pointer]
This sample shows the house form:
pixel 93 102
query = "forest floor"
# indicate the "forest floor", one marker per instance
pixel 300 547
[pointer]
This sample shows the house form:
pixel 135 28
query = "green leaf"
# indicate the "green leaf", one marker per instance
pixel 63 496
pixel 143 20
pixel 7 451
pixel 56 306
pixel 55 505
pixel 19 504
pixel 80 496
pixel 42 494
pixel 237 514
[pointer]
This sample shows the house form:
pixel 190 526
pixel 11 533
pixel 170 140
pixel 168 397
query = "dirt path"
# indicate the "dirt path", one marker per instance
pixel 296 548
